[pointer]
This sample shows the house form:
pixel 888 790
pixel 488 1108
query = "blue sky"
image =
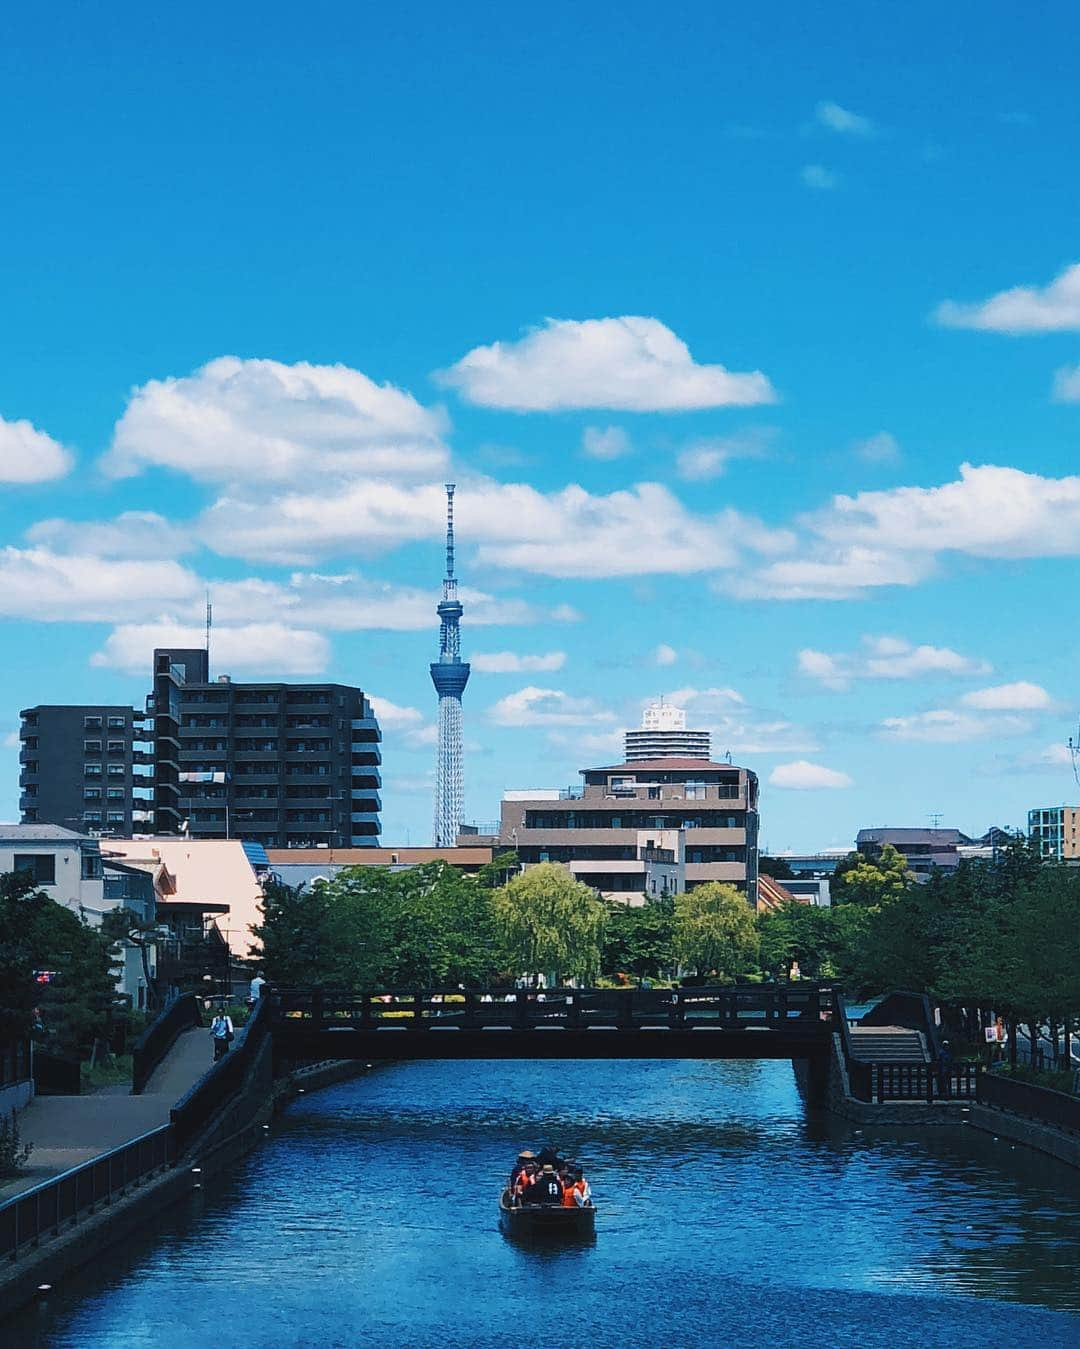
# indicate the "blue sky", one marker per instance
pixel 706 311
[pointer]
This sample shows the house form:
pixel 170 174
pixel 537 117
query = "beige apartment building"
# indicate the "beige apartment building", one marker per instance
pixel 1053 831
pixel 637 828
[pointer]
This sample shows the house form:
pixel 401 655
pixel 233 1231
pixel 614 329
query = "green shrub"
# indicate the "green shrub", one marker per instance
pixel 14 1153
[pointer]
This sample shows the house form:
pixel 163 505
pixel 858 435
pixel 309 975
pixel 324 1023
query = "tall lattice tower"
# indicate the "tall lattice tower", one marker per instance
pixel 449 674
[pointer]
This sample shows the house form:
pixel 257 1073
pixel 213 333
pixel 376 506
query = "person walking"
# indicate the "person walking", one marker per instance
pixel 255 989
pixel 221 1032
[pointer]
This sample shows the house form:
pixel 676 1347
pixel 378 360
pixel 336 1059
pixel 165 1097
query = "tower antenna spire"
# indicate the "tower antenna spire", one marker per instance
pixel 449 674
pixel 209 625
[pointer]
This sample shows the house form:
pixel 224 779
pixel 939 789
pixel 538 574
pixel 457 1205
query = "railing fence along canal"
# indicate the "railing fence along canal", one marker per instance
pixel 1035 1103
pixel 178 1015
pixel 50 1208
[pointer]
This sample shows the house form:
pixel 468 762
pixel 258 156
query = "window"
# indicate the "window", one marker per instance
pixel 116 723
pixel 114 793
pixel 91 864
pixel 40 865
pixel 92 723
pixel 91 793
pixel 116 817
pixel 91 816
pixel 91 770
pixel 116 747
pixel 91 746
pixel 116 770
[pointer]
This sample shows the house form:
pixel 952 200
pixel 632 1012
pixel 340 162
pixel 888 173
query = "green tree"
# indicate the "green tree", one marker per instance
pixel 36 933
pixel 295 941
pixel 638 939
pixel 550 923
pixel 715 931
pixel 776 867
pixel 862 880
pixel 799 932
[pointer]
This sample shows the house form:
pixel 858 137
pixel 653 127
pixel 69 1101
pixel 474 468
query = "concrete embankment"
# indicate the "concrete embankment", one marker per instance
pixel 241 1124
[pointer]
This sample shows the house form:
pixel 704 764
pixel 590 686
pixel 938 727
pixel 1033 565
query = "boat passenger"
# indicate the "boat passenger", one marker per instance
pixel 549 1157
pixel 546 1188
pixel 524 1157
pixel 524 1179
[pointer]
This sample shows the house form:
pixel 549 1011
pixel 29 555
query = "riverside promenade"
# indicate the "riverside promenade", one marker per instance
pixel 69 1130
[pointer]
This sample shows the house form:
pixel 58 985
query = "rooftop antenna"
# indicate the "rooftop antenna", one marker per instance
pixel 935 819
pixel 1074 755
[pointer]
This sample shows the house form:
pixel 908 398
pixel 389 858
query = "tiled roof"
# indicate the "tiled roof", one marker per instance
pixel 40 833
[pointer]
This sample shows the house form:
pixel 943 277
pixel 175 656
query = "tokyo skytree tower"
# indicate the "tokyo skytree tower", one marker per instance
pixel 449 674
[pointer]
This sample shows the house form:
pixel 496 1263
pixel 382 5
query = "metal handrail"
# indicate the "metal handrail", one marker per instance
pixel 61 1200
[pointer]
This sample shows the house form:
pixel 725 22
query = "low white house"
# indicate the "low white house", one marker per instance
pixel 66 865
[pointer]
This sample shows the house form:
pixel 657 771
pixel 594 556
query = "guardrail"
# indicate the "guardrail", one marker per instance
pixel 923 1082
pixel 1024 1098
pixel 177 1016
pixel 194 1111
pixel 56 1204
pixel 765 1005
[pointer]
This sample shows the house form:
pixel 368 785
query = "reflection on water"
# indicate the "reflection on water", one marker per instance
pixel 728 1211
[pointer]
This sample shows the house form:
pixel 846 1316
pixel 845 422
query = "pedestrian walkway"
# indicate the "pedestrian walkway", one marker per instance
pixel 69 1130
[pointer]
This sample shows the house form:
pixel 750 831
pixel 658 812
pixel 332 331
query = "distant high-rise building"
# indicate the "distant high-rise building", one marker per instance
pixel 449 674
pixel 663 735
pixel 284 765
pixel 86 768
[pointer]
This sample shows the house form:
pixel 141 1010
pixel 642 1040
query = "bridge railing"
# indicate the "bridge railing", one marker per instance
pixel 803 1005
pixel 178 1015
pixel 923 1082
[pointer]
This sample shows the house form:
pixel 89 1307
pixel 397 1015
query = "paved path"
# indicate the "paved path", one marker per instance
pixel 68 1130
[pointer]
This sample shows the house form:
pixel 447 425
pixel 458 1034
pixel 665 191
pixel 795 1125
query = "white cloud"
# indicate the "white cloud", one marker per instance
pixel 819 178
pixel 803 776
pixel 989 512
pixel 1018 697
pixel 38 584
pixel 886 658
pixel 266 648
pixel 422 737
pixel 703 702
pixel 946 727
pixel 261 420
pixel 606 743
pixel 29 455
pixel 631 363
pixel 533 706
pixel 881 448
pixel 393 717
pixel 643 531
pixel 509 662
pixel 605 442
pixel 11 740
pixel 665 655
pixel 134 534
pixel 640 531
pixel 1067 384
pixel 847 123
pixel 1022 309
pixel 708 458
pixel 835 574
pixel 737 728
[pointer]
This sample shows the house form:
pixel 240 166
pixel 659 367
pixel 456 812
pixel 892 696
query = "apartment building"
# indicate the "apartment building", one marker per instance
pixel 668 822
pixel 663 734
pixel 86 769
pixel 1053 831
pixel 284 765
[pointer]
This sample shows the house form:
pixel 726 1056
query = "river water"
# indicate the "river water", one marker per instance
pixel 728 1212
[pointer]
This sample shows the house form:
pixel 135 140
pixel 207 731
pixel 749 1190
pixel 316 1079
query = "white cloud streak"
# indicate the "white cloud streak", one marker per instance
pixel 605 442
pixel 532 706
pixel 886 658
pixel 1022 309
pixel 509 662
pixel 841 120
pixel 631 364
pixel 802 776
pixel 819 178
pixel 1018 697
pixel 264 648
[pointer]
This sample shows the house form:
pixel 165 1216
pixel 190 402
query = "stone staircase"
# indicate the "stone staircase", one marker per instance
pixel 888 1045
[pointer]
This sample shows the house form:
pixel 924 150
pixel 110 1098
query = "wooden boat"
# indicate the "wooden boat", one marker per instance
pixel 546 1222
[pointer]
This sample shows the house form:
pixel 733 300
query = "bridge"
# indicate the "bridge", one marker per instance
pixel 768 1021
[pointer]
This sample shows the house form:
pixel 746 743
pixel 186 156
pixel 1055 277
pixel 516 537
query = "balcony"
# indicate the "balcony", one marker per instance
pixel 364 756
pixel 365 817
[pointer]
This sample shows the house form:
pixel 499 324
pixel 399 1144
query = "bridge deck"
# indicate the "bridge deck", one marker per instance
pixel 769 1021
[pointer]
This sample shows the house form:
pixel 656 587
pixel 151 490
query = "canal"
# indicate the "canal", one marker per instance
pixel 729 1212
